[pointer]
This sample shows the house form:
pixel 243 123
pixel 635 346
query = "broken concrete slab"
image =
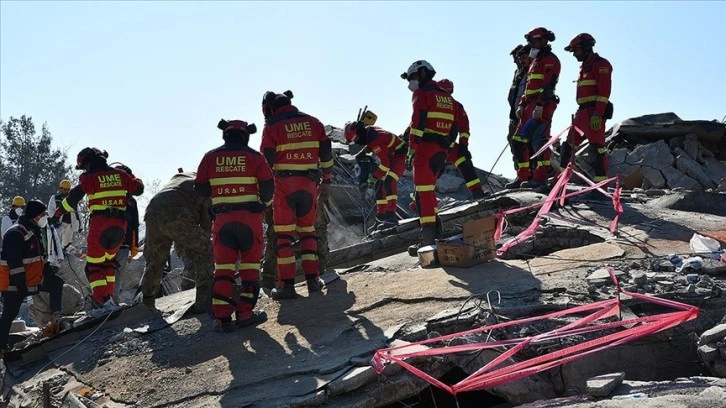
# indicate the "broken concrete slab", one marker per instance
pixel 714 334
pixel 708 353
pixel 354 379
pixel 694 170
pixel 653 155
pixel 448 183
pixel 603 385
pixel 707 202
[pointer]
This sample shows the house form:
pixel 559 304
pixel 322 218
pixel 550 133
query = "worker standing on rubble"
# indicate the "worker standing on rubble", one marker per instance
pixel 431 132
pixel 459 154
pixel 299 151
pixel 178 215
pixel 593 98
pixel 239 181
pixel 538 104
pixel 391 152
pixel 24 270
pixel 70 222
pixel 520 54
pixel 107 189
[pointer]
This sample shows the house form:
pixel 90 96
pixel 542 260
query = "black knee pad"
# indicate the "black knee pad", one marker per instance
pixel 301 202
pixel 437 162
pixel 236 235
pixel 112 237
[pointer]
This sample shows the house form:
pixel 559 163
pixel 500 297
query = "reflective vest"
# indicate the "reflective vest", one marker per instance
pixel 542 77
pixel 434 116
pixel 594 83
pixel 106 190
pixel 33 261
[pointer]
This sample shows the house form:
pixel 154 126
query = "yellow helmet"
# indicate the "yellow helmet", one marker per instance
pixel 65 184
pixel 18 201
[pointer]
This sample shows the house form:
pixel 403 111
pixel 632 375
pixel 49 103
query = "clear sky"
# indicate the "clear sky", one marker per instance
pixel 148 81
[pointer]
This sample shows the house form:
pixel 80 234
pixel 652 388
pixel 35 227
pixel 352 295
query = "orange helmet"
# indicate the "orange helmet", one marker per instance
pixel 584 40
pixel 351 131
pixel 447 85
pixel 539 32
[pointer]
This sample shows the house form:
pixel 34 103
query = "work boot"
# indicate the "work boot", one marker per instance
pixel 286 292
pixel 53 326
pixel 224 325
pixel 537 185
pixel 428 237
pixel 479 193
pixel 313 284
pixel 257 318
pixel 516 183
pixel 203 301
pixel 390 220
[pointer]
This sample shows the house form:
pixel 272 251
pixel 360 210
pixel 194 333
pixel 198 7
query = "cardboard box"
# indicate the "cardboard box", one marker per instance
pixel 474 246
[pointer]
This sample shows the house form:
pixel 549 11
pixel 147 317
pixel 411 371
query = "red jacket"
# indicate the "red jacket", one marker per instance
pixel 106 188
pixel 383 144
pixel 236 177
pixel 462 123
pixel 295 141
pixel 434 116
pixel 542 78
pixel 594 83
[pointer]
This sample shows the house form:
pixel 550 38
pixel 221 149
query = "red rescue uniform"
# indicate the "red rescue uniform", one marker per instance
pixel 593 97
pixel 391 152
pixel 299 152
pixel 107 189
pixel 239 181
pixel 432 130
pixel 542 77
pixel 459 154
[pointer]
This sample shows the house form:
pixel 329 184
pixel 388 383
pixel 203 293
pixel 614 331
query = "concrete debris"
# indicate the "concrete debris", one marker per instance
pixel 603 385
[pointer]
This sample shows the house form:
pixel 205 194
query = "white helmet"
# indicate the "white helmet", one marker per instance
pixel 416 66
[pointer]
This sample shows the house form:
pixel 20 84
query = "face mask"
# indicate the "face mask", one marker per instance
pixel 19 211
pixel 413 85
pixel 533 53
pixel 43 221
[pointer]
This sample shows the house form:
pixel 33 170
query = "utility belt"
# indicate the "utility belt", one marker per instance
pixel 609 109
pixel 111 212
pixel 226 208
pixel 442 140
pixel 313 174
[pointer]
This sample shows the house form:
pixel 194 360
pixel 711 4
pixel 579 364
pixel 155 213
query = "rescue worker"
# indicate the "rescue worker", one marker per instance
pixel 178 215
pixel 431 132
pixel 538 103
pixel 125 288
pixel 16 210
pixel 70 222
pixel 593 98
pixel 459 154
pixel 391 152
pixel 25 271
pixel 520 54
pixel 107 189
pixel 299 152
pixel 239 181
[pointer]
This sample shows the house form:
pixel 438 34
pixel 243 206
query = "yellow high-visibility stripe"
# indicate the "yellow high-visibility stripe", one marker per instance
pixel 309 257
pixel 247 198
pixel 439 115
pixel 393 140
pixel 94 260
pixel 473 182
pixel 106 194
pixel 459 161
pixel 427 130
pixel 305 229
pixel 602 150
pixel 232 180
pixel 543 163
pixel 425 187
pixel 533 91
pixel 464 135
pixel 587 99
pixel 249 266
pixel 518 138
pixel 524 165
pixel 326 164
pixel 392 197
pixel 99 207
pixel 383 168
pixel 220 302
pixel 284 228
pixel 227 266
pixel 602 99
pixel 598 178
pixel 426 220
pixel 393 176
pixel 111 278
pixel 286 261
pixel 587 82
pixel 535 76
pixel 66 206
pixel 296 146
pixel 287 166
pixel 97 283
pixel 247 295
pixel 416 132
pixel 381 202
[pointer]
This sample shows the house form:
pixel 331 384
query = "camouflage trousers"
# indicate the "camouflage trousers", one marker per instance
pixel 193 246
pixel 269 263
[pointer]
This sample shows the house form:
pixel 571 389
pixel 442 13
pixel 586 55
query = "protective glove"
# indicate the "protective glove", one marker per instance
pixel 595 122
pixel 324 191
pixel 409 159
pixel 464 151
pixel 372 180
pixel 537 113
pixel 520 111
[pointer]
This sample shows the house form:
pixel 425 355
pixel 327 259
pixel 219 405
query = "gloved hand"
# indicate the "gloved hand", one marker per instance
pixel 464 151
pixel 409 159
pixel 537 113
pixel 520 111
pixel 372 180
pixel 595 122
pixel 324 191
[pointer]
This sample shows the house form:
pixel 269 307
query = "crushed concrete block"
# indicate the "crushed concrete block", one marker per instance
pixel 713 267
pixel 667 285
pixel 653 178
pixel 694 170
pixel 704 282
pixel 603 385
pixel 602 273
pixel 654 155
pixel 713 335
pixel 715 169
pixel 676 179
pixel 448 184
pixel 314 400
pixel 639 278
pixel 708 353
pixel 352 380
